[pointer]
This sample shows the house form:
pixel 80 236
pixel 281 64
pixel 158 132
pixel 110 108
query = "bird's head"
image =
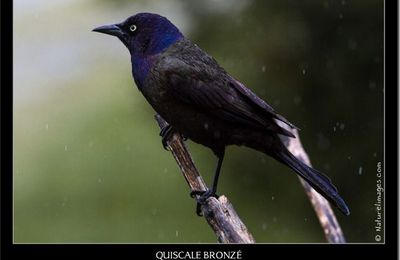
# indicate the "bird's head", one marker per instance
pixel 144 33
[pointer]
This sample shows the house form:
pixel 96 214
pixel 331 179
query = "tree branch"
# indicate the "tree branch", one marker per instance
pixel 219 213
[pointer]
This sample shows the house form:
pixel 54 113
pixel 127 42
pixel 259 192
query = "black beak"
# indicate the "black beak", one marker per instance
pixel 112 29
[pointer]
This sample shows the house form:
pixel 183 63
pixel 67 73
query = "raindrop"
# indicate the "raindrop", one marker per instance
pixel 352 44
pixel 323 142
pixel 297 100
pixel 374 155
pixel 99 180
pixel 277 102
pixel 334 129
pixel 372 85
pixel 330 64
pixel 176 233
pixel 263 68
pixel 341 126
pixel 327 166
pixel 303 71
pixel 264 226
pixel 272 198
pixel 65 147
pixel 160 235
pixel 360 170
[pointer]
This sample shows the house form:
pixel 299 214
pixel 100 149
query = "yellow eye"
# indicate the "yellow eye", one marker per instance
pixel 132 28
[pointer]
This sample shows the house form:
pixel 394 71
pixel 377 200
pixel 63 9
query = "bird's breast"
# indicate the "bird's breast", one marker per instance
pixel 141 67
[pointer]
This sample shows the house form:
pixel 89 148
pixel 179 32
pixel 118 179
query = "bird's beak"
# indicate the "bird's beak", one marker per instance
pixel 112 29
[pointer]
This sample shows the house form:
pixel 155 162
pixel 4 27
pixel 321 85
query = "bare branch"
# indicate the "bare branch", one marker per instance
pixel 219 213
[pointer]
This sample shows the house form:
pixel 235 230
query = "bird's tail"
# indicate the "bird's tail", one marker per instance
pixel 321 183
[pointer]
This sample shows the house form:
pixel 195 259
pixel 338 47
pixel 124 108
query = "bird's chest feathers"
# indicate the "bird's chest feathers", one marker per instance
pixel 141 66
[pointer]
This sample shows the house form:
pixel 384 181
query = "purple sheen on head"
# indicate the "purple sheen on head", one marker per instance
pixel 154 34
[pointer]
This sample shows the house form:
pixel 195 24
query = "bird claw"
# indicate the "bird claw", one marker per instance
pixel 203 196
pixel 166 133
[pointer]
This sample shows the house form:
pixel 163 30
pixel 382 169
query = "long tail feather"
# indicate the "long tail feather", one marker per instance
pixel 321 183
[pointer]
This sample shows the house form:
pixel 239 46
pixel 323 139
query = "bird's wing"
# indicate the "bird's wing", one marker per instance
pixel 255 100
pixel 221 96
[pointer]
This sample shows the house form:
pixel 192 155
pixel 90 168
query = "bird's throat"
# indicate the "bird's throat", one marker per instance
pixel 141 66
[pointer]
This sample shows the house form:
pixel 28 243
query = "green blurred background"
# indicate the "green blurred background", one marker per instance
pixel 88 161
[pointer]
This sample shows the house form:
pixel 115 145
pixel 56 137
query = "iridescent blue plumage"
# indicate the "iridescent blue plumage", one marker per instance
pixel 153 35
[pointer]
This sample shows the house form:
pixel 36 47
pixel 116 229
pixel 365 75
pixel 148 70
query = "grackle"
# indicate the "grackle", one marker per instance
pixel 200 100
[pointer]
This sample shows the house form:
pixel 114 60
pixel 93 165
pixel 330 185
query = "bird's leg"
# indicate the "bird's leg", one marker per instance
pixel 204 195
pixel 165 133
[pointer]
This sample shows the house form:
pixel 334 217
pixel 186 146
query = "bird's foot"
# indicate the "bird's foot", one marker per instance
pixel 203 196
pixel 165 134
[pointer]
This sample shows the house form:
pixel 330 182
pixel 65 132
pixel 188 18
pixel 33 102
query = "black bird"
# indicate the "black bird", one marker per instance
pixel 200 100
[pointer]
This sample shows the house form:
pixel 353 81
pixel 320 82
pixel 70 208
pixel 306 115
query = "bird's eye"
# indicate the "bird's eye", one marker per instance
pixel 132 28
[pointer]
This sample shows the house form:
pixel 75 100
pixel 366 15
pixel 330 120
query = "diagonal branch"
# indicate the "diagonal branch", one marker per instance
pixel 219 213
